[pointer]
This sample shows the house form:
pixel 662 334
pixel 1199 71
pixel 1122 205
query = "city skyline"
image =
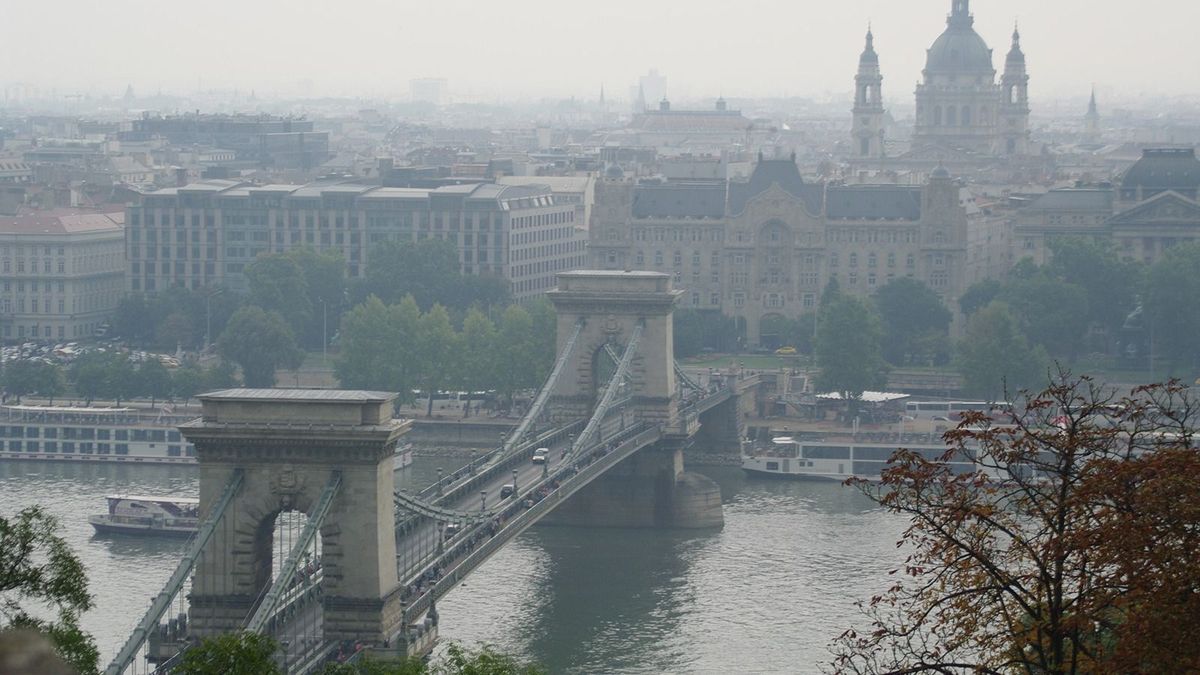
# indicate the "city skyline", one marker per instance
pixel 771 49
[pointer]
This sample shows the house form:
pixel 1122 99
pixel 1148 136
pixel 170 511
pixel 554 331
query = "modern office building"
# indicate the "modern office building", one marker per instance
pixel 204 234
pixel 62 273
pixel 265 141
pixel 770 245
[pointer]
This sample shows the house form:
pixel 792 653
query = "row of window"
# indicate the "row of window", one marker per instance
pixel 87 448
pixel 91 433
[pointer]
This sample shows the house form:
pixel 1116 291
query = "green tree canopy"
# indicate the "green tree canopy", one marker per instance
pixel 437 352
pixel 1110 284
pixel 978 295
pixel 379 347
pixel 260 342
pixel 33 377
pixel 520 351
pixel 277 284
pixel 995 355
pixel 430 271
pixel 912 316
pixel 1053 313
pixel 478 362
pixel 1173 306
pixel 848 349
pixel 231 654
pixel 40 577
pixel 154 380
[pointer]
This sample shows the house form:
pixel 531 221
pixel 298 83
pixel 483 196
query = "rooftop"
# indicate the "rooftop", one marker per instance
pixel 62 222
pixel 298 395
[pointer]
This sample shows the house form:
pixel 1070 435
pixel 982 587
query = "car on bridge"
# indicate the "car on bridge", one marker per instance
pixel 540 456
pixel 507 491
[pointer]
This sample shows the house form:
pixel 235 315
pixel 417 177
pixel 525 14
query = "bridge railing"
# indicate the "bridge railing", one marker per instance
pixel 463 556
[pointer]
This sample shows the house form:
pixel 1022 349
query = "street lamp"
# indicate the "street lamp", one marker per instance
pixel 482 500
pixel 208 315
pixel 439 480
pixel 514 482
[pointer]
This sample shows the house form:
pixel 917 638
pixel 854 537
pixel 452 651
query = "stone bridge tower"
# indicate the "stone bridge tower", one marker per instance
pixel 610 304
pixel 287 442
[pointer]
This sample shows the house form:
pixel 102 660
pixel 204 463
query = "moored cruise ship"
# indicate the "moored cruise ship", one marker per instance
pixel 864 456
pixel 66 433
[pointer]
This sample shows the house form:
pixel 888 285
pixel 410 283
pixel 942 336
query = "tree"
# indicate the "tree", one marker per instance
pixel 325 282
pixel 437 352
pixel 277 284
pixel 848 351
pixel 134 319
pixel 41 576
pixel 1053 313
pixel 231 654
pixel 478 362
pixel 260 342
pixel 186 382
pixel 174 331
pixel 545 337
pixel 28 377
pixel 1109 283
pixel 1070 548
pixel 995 354
pixel 979 295
pixel 910 311
pixel 457 660
pixel 154 380
pixel 89 374
pixel 1173 308
pixel 379 347
pixel 520 353
pixel 121 379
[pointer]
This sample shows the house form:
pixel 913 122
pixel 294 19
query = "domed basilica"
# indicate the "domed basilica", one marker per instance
pixel 961 109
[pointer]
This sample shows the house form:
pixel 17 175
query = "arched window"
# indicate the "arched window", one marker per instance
pixel 966 116
pixel 951 116
pixel 937 116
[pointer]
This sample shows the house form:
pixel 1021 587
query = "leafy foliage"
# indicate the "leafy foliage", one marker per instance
pixel 232 654
pixel 914 317
pixel 1173 305
pixel 848 350
pixel 1069 550
pixel 40 575
pixel 457 660
pixel 995 354
pixel 429 271
pixel 259 342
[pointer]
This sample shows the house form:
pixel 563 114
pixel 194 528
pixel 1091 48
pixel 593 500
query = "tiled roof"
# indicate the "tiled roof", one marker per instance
pixel 62 222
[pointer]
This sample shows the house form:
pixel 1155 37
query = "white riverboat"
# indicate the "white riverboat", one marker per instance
pixel 128 514
pixel 842 459
pixel 65 433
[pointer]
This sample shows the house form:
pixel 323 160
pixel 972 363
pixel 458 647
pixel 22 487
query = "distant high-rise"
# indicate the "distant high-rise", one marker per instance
pixel 868 127
pixel 428 90
pixel 651 87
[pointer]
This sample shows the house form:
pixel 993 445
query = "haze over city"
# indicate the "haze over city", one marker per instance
pixel 536 48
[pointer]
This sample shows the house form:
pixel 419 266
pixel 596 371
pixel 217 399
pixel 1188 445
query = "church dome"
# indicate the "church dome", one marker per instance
pixel 960 50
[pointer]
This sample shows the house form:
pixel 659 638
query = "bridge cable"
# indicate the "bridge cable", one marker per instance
pixel 601 411
pixel 535 410
pixel 288 569
pixel 175 584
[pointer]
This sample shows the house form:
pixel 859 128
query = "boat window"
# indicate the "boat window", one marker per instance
pixel 51 446
pixel 16 432
pixel 772 466
pixel 102 448
pixel 826 452
pixel 173 436
pixel 191 451
pixel 70 432
pixel 14 446
pixel 31 446
pixel 122 434
pixel 31 432
pixel 85 448
pixel 140 435
pixel 874 453
pixel 158 435
pixel 869 468
pixel 173 451
pixel 87 433
pixel 102 434
pixel 68 447
pixel 50 432
pixel 122 448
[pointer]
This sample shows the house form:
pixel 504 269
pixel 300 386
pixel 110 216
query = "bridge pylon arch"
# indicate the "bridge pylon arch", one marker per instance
pixel 610 304
pixel 287 443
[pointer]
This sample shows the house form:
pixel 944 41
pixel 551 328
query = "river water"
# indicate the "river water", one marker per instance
pixel 765 594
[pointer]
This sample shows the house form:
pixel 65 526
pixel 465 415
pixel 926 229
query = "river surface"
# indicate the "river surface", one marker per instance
pixel 765 594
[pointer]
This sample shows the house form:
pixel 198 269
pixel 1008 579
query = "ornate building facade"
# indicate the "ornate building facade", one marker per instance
pixel 770 245
pixel 961 110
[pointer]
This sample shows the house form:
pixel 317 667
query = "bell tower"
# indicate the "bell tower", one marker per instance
pixel 868 127
pixel 1013 136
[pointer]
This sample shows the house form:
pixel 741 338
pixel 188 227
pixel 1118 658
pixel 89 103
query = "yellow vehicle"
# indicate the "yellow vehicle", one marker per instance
pixel 785 351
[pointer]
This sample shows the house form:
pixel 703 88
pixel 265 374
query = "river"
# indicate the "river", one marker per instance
pixel 765 594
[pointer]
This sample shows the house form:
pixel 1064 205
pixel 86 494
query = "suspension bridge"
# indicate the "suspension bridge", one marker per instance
pixel 305 538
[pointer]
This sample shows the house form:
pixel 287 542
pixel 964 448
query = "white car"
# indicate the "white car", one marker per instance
pixel 540 455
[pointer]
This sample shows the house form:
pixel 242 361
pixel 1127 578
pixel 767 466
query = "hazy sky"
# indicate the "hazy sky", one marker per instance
pixel 529 48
